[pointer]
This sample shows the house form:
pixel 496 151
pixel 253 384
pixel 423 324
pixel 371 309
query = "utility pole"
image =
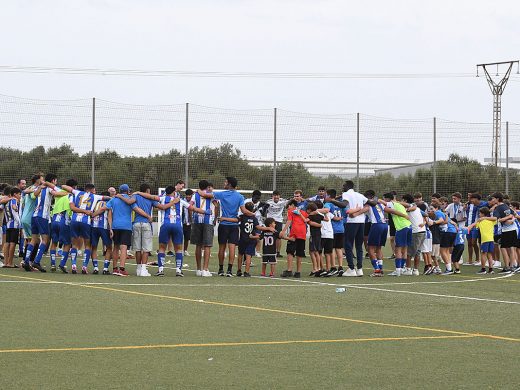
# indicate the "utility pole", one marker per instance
pixel 497 89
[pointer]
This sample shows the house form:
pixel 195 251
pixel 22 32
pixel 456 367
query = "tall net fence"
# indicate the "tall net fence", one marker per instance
pixel 112 143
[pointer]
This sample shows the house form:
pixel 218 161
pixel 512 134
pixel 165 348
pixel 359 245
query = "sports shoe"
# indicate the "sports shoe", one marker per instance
pixel 490 272
pixel 229 274
pixel 84 270
pixel 286 274
pixel 239 273
pixel 186 253
pixel 350 273
pixel 517 270
pixel 297 275
pixel 27 267
pixel 397 272
pixel 178 272
pixel 159 273
pixel 279 255
pixel 247 275
pixel 437 271
pixel 428 271
pixel 406 272
pixel 95 272
pixel 391 257
pixel 482 272
pixel 340 271
pixel 170 253
pixel 198 273
pixel 258 254
pixel 497 264
pixel 206 274
pixel 74 270
pixel 63 269
pixel 376 274
pixel 415 272
pixel 106 272
pixel 123 272
pixel 359 271
pixel 144 272
pixel 271 275
pixel 39 267
pixel 115 272
pixel 456 271
pixel 312 273
pixel 448 272
pixel 333 271
pixel 461 262
pixel 505 271
pixel 53 268
pixel 221 272
pixel 262 274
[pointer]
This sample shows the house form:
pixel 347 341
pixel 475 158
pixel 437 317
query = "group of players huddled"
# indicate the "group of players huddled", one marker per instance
pixel 65 220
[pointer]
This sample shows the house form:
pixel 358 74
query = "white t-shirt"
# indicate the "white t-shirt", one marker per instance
pixel 326 227
pixel 355 200
pixel 416 219
pixel 275 209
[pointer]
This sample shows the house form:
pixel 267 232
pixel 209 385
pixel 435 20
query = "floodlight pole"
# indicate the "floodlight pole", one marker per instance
pixel 497 89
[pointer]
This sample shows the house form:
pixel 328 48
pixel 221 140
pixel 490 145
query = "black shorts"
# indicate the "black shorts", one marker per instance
pixel 447 239
pixel 509 239
pixel 186 232
pixel 278 227
pixel 327 244
pixel 296 248
pixel 392 230
pixel 456 255
pixel 367 228
pixel 228 234
pixel 497 239
pixel 339 240
pixel 269 259
pixel 315 242
pixel 12 235
pixel 122 237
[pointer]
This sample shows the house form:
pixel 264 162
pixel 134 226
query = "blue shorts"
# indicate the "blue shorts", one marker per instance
pixel 247 247
pixel 403 237
pixel 173 231
pixel 4 229
pixel 80 229
pixel 98 233
pixel 55 231
pixel 377 234
pixel 487 247
pixel 228 234
pixel 474 233
pixel 40 226
pixel 65 238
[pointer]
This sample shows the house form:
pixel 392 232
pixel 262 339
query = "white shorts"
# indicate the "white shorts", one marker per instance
pixel 426 246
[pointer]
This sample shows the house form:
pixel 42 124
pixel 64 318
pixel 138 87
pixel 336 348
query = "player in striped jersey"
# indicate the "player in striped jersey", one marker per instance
pixel 100 231
pixel 12 222
pixel 472 209
pixel 40 220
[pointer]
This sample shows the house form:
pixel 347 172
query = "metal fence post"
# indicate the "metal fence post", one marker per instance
pixel 186 151
pixel 93 151
pixel 274 149
pixel 507 157
pixel 357 158
pixel 434 166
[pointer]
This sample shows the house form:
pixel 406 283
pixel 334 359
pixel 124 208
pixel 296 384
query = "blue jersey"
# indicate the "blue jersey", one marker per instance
pixel 84 201
pixel 12 217
pixel 43 203
pixel 447 227
pixel 146 205
pixel 101 220
pixel 461 236
pixel 376 214
pixel 173 214
pixel 337 226
pixel 121 213
pixel 205 204
pixel 472 212
pixel 230 202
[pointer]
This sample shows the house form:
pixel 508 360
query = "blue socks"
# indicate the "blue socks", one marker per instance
pixel 178 260
pixel 380 264
pixel 52 252
pixel 39 255
pixel 64 258
pixel 30 248
pixel 73 256
pixel 400 263
pixel 106 264
pixel 160 260
pixel 374 264
pixel 86 258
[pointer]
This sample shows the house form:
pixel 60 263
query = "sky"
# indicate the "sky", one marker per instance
pixel 269 36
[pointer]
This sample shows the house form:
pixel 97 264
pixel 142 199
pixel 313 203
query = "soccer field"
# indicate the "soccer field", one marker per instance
pixel 94 331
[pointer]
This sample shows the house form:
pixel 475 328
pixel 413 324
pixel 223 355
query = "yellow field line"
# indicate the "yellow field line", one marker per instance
pixel 230 344
pixel 279 311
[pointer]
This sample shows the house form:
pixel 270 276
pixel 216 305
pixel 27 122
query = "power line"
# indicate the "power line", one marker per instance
pixel 219 74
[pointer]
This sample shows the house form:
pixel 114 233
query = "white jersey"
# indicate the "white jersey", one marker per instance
pixel 416 218
pixel 275 209
pixel 326 227
pixel 355 200
pixel 43 203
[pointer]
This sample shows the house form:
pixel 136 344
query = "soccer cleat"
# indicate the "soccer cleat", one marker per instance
pixel 95 272
pixel 415 272
pixel 159 273
pixel 397 272
pixel 247 275
pixel 297 275
pixel 53 268
pixel 84 270
pixel 350 273
pixel 359 272
pixel 482 272
pixel 229 274
pixel 178 272
pixel 376 274
pixel 63 269
pixel 286 274
pixel 239 273
pixel 221 272
pixel 106 272
pixel 39 267
pixel 448 272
